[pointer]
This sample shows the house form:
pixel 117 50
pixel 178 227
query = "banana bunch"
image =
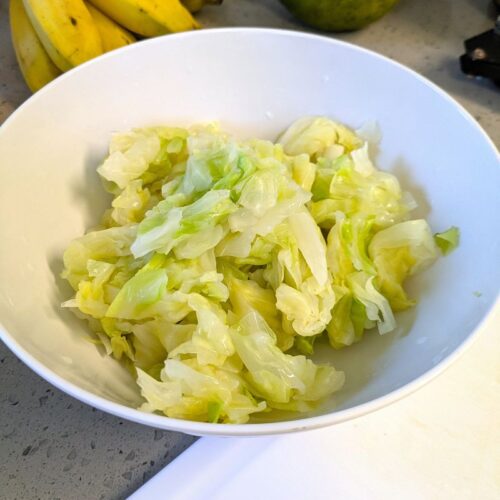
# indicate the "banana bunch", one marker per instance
pixel 53 36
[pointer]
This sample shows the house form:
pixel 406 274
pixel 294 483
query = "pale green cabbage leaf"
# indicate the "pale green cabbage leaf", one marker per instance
pixel 221 264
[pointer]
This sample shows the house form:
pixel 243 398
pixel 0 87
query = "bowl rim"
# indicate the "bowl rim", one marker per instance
pixel 249 429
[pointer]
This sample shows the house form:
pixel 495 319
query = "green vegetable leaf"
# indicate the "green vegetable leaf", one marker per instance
pixel 448 240
pixel 219 257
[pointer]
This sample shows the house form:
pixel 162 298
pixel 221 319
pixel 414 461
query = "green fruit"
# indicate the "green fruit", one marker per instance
pixel 338 15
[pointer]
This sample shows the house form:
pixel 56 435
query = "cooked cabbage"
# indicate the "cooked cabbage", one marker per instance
pixel 221 263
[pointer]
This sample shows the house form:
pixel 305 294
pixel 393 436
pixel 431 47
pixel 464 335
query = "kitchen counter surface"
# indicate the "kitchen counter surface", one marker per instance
pixel 52 446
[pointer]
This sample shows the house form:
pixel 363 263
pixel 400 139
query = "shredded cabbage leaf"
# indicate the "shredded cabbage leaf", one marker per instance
pixel 448 240
pixel 221 264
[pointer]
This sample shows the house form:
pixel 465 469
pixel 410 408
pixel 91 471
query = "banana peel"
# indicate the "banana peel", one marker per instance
pixel 113 36
pixel 148 17
pixel 66 30
pixel 53 36
pixel 35 64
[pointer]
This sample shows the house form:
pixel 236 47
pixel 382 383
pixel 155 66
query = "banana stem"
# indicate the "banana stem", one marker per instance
pixel 196 5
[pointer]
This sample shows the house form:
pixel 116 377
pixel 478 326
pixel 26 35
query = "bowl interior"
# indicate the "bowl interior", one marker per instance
pixel 255 82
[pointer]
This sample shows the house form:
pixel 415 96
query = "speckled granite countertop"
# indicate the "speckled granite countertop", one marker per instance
pixel 52 446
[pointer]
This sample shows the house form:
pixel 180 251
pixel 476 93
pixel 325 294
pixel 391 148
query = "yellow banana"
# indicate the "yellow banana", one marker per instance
pixel 196 5
pixel 36 65
pixel 66 30
pixel 148 17
pixel 113 36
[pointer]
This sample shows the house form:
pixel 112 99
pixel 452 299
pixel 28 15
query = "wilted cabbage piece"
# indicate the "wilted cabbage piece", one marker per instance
pixel 448 240
pixel 221 263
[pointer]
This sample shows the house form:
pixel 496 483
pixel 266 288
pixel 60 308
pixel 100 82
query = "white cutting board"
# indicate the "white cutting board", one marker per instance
pixel 441 443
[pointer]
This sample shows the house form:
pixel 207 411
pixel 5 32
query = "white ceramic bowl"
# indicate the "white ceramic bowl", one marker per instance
pixel 255 82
